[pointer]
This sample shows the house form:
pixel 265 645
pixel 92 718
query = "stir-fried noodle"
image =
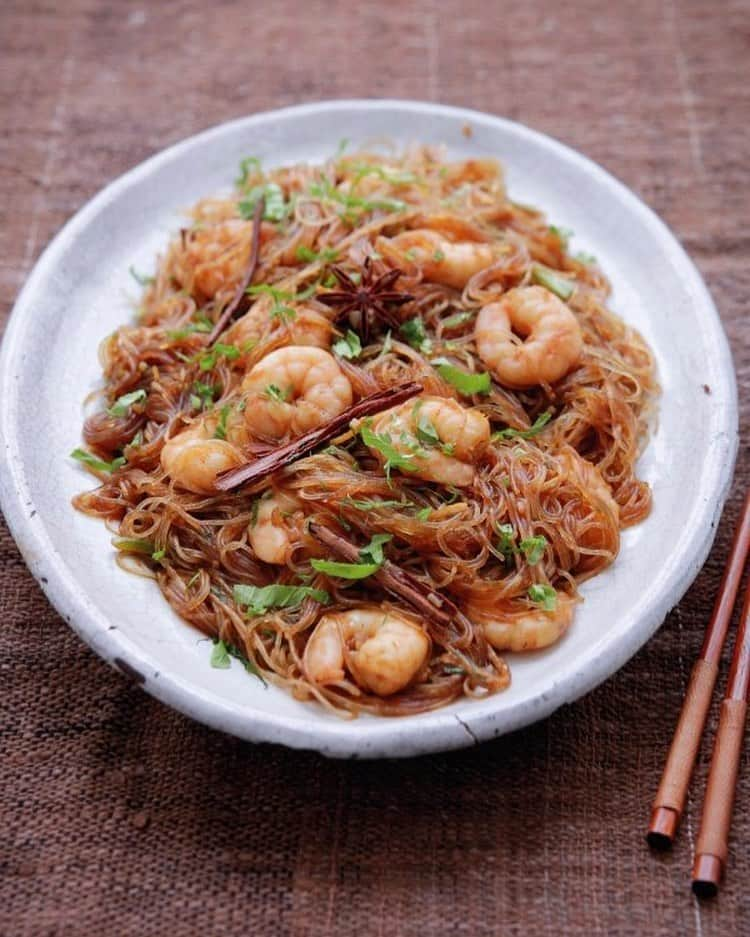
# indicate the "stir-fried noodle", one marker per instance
pixel 386 564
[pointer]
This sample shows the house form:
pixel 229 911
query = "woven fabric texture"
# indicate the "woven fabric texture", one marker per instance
pixel 119 816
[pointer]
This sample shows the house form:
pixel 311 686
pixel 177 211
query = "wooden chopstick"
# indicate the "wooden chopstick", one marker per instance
pixel 711 845
pixel 670 798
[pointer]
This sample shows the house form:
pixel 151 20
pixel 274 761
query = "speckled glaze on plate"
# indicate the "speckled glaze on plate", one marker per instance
pixel 80 290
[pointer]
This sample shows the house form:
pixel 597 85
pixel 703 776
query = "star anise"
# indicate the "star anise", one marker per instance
pixel 368 300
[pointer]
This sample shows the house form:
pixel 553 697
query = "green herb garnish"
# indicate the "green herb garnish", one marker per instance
pixel 373 504
pixel 275 208
pixel 207 360
pixel 544 595
pixel 373 552
pixel 204 324
pixel 395 177
pixel 221 427
pixel 506 543
pixel 308 255
pixel 464 381
pixel 220 656
pixel 552 281
pixel 426 432
pixel 584 258
pixel 562 234
pixel 423 514
pixel 371 556
pixel 140 278
pixel 98 465
pixel 260 598
pixel 353 205
pixel 349 347
pixel 221 659
pixel 381 442
pixel 415 334
pixel 121 406
pixel 273 392
pixel 158 555
pixel 536 427
pixel 459 318
pixel 203 395
pixel 250 165
pixel 130 545
pixel 280 298
pixel 345 570
pixel 533 548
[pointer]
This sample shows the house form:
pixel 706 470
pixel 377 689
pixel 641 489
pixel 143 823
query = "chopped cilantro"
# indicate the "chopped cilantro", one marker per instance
pixel 220 656
pixel 533 548
pixel 464 381
pixel 374 504
pixel 221 427
pixel 553 281
pixel 258 599
pixel 585 258
pixel 99 465
pixel 308 255
pixel 131 545
pixel 544 595
pixel 249 166
pixel 349 347
pixel 275 208
pixel 121 406
pixel 459 318
pixel 203 395
pixel 562 234
pixel 426 432
pixel 207 360
pixel 381 442
pixel 345 570
pixel 536 427
pixel 415 334
pixel 506 543
pixel 373 552
pixel 140 278
pixel 273 392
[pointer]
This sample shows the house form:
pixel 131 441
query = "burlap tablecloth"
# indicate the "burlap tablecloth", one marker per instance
pixel 120 817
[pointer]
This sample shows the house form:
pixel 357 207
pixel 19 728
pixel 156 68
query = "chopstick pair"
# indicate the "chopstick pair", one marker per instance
pixel 711 845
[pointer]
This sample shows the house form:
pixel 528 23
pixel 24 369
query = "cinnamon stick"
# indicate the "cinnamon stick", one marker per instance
pixel 234 303
pixel 268 464
pixel 421 597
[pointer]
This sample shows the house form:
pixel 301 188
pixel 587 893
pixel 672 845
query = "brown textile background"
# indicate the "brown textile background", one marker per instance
pixel 122 817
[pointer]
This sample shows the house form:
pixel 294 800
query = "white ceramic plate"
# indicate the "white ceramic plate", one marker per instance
pixel 81 290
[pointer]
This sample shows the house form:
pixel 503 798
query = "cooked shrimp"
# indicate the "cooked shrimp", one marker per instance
pixel 533 629
pixel 552 337
pixel 588 477
pixel 193 458
pixel 440 438
pixel 270 531
pixel 215 256
pixel 292 390
pixel 308 327
pixel 382 650
pixel 598 540
pixel 440 260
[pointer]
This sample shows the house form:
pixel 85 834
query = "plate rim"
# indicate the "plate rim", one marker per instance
pixel 383 738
